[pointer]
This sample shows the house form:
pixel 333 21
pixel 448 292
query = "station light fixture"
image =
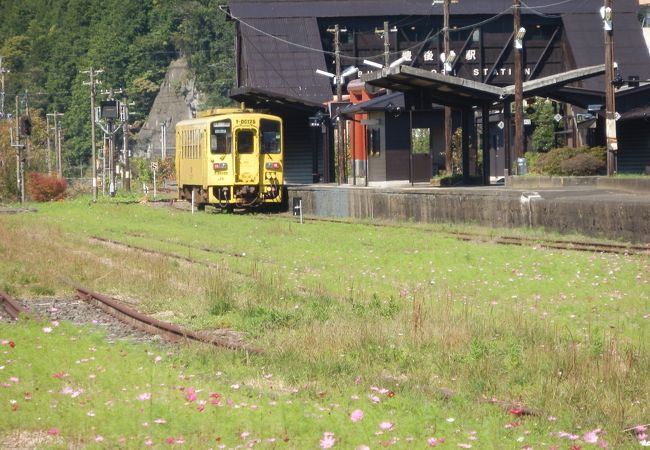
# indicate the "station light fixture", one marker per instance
pixel 372 64
pixel 519 38
pixel 606 14
pixel 448 60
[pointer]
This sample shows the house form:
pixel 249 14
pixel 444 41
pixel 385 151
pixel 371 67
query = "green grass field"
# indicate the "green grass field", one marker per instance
pixel 382 336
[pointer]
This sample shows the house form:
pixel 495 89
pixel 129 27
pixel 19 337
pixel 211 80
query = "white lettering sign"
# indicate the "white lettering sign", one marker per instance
pixel 470 55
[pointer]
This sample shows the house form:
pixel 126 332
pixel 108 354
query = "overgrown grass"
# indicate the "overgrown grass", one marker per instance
pixel 408 309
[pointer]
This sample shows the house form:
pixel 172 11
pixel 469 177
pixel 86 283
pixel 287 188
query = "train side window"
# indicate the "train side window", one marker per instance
pixel 271 138
pixel 245 141
pixel 220 137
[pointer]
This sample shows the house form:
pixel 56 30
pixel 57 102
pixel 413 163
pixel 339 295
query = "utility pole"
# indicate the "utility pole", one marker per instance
pixel 448 118
pixel 2 89
pixel 57 141
pixel 20 168
pixel 339 97
pixel 386 45
pixel 93 93
pixel 518 73
pixel 610 100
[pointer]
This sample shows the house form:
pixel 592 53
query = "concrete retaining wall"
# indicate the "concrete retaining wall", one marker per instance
pixel 588 212
pixel 636 185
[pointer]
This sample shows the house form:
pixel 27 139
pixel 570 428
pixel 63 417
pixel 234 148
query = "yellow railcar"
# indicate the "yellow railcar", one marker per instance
pixel 230 158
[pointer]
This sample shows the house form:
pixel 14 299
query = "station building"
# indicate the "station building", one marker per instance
pixel 390 111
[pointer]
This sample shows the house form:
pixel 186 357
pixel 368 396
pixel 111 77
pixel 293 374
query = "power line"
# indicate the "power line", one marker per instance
pixel 353 58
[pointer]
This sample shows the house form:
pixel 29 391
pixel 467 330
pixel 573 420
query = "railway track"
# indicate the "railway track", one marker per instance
pixel 10 306
pixel 560 244
pixel 150 325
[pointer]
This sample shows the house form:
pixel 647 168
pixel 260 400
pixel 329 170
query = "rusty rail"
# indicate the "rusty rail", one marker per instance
pixel 11 306
pixel 150 325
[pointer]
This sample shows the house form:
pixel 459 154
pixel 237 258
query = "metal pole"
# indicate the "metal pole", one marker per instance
pixel 111 160
pixel 519 90
pixel 104 149
pixel 18 179
pixel 49 146
pixel 92 132
pixel 610 100
pixel 448 116
pixel 59 153
pixel 127 163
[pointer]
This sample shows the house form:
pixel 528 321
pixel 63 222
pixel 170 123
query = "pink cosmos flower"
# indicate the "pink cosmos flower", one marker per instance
pixel 144 396
pixel 148 442
pixel 387 426
pixel 363 447
pixel 99 438
pixel 160 421
pixel 356 416
pixel 53 431
pixel 244 434
pixel 328 440
pixel 432 441
pixel 590 437
pixel 190 394
pixel 47 330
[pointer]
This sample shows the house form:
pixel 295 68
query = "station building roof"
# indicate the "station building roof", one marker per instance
pixel 281 44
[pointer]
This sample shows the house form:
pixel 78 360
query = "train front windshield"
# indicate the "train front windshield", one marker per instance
pixel 271 137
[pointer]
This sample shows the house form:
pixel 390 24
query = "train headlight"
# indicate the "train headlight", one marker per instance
pixel 273 166
pixel 220 166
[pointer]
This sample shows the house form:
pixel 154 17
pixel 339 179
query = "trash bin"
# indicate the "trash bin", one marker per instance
pixel 522 166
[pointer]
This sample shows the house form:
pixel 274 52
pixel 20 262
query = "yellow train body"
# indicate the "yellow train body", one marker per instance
pixel 232 158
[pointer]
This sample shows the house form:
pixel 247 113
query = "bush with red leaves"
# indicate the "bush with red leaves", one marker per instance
pixel 45 188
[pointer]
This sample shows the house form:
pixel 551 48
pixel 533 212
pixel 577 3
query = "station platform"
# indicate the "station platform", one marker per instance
pixel 621 212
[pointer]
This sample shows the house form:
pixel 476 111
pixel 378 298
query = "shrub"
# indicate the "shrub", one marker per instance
pixel 551 163
pixel 582 164
pixel 44 188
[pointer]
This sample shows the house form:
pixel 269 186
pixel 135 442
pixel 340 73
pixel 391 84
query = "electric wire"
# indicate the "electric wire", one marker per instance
pixel 353 58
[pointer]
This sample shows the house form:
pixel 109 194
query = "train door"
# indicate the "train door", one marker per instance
pixel 247 165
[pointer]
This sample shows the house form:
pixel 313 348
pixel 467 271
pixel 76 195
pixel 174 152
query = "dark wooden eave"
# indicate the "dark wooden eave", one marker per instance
pixel 264 99
pixel 460 92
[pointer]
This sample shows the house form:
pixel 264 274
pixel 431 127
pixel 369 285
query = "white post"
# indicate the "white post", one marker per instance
pixel 300 206
pixel 154 184
pixel 193 201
